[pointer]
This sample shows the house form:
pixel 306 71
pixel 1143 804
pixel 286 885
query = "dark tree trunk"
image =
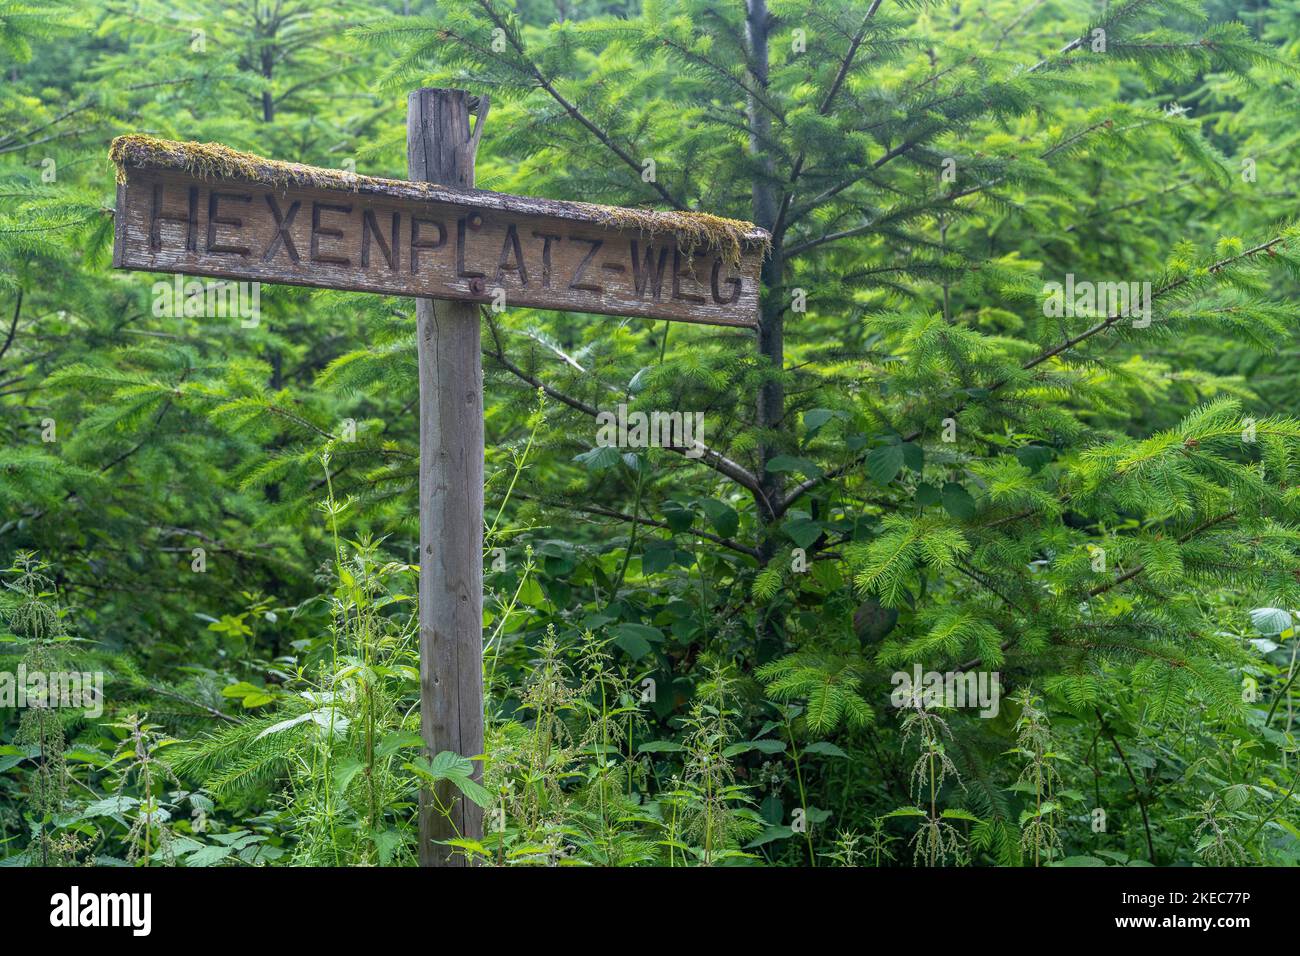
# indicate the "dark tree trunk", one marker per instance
pixel 771 332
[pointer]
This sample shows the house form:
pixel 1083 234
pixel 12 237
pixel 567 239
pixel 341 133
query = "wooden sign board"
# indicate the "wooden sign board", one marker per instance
pixel 203 210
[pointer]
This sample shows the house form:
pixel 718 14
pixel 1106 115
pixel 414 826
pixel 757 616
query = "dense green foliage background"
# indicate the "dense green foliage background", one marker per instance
pixel 911 463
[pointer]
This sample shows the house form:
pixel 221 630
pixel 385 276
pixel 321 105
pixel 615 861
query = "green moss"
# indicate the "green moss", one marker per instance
pixel 694 230
pixel 215 161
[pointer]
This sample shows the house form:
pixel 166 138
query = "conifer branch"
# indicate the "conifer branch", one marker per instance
pixel 1063 51
pixel 1164 290
pixel 113 463
pixel 572 108
pixel 1109 322
pixel 1125 577
pixel 823 109
pixel 693 57
pixel 1135 571
pixel 984 580
pixel 809 244
pixel 908 145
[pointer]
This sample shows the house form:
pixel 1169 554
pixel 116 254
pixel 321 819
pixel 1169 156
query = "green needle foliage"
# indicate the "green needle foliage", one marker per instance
pixel 928 456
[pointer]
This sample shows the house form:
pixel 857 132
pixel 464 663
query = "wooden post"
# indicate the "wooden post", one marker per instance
pixel 440 149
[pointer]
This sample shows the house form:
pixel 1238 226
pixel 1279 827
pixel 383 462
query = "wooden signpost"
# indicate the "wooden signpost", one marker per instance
pixel 206 210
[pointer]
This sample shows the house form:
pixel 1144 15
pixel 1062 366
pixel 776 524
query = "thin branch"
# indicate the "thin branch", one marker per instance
pixel 162 413
pixel 704 61
pixel 984 580
pixel 1137 790
pixel 713 459
pixel 210 711
pixel 650 522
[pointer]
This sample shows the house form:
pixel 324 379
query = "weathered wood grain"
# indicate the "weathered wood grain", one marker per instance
pixel 439 146
pixel 375 235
